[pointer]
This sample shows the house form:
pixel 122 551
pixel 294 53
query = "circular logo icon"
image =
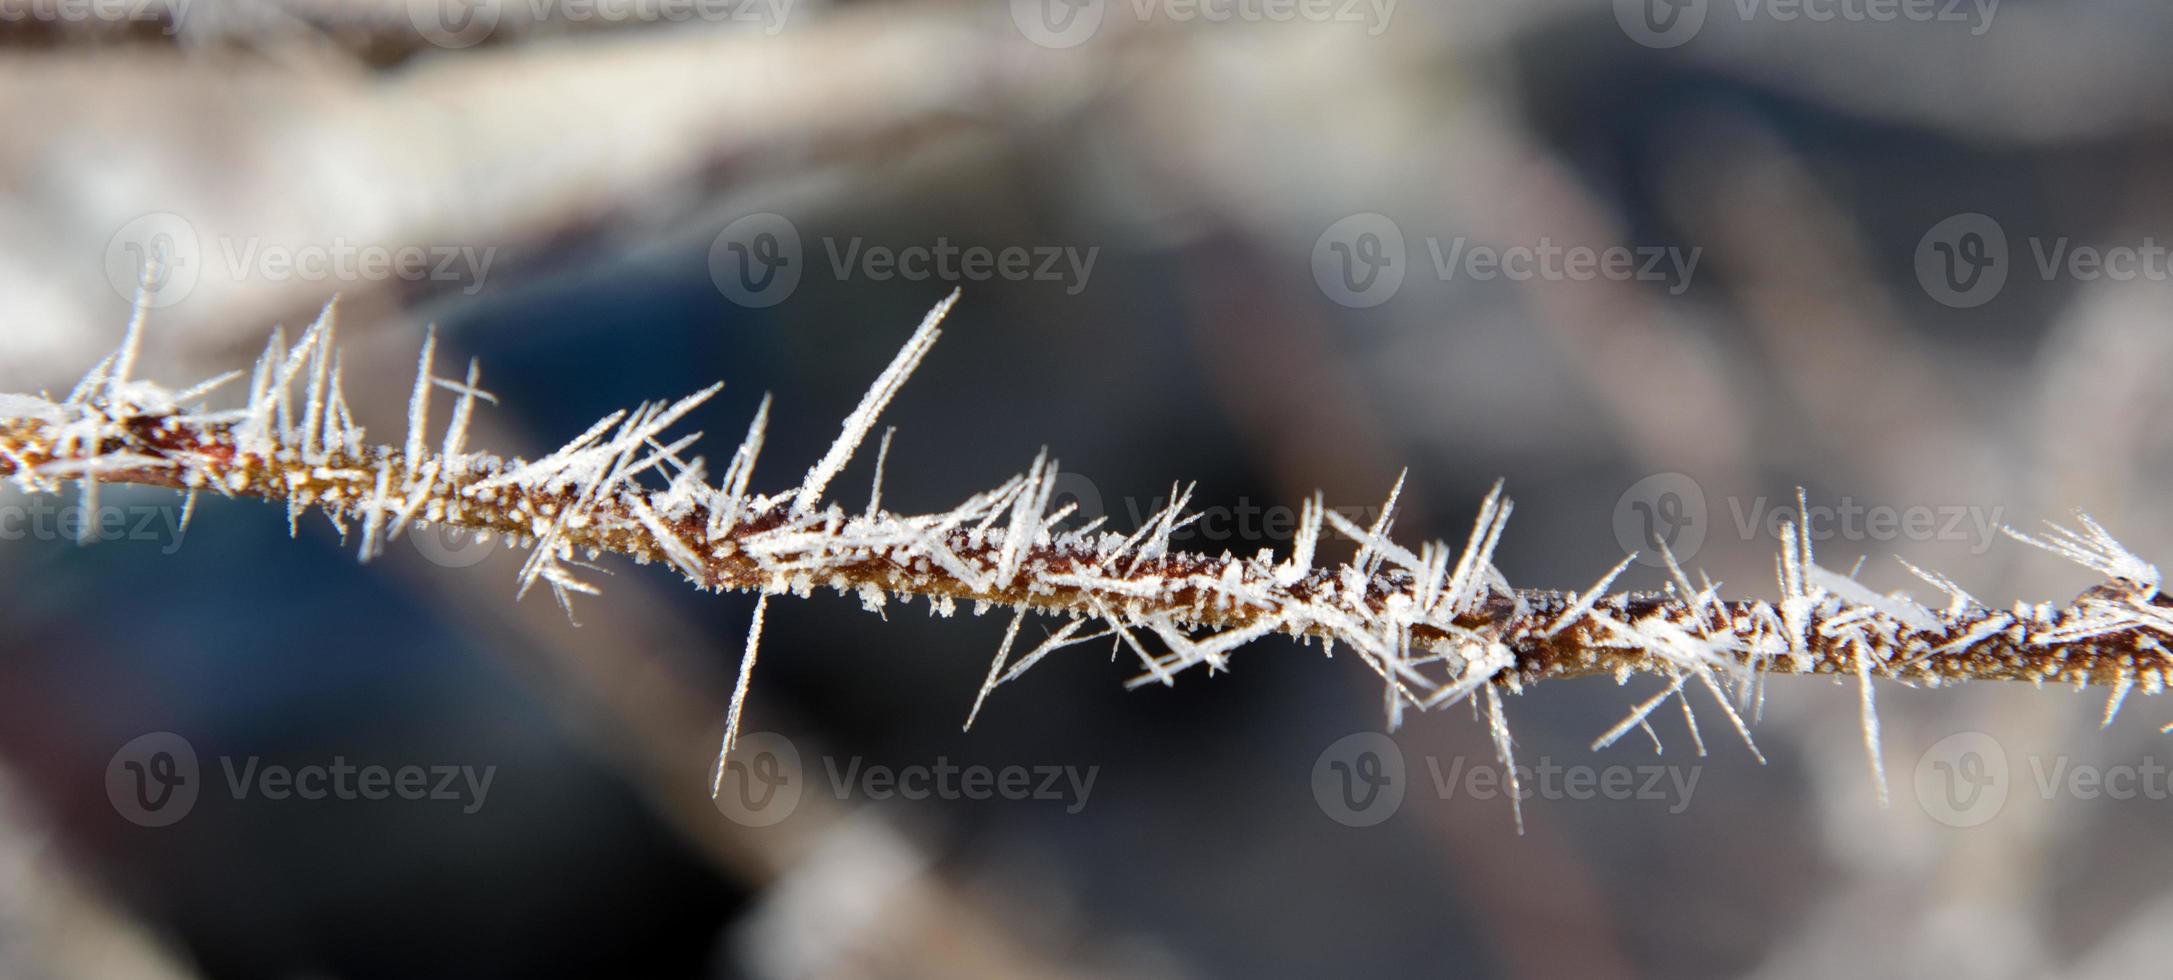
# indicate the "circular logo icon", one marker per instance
pixel 153 781
pixel 454 23
pixel 1359 260
pixel 1359 780
pixel 451 547
pixel 1660 23
pixel 1075 488
pixel 1058 23
pixel 1962 261
pixel 1962 780
pixel 1663 507
pixel 762 781
pixel 755 261
pixel 157 254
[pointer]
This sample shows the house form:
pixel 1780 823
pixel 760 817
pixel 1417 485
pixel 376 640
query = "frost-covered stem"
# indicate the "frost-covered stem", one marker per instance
pixel 1066 576
pixel 1438 625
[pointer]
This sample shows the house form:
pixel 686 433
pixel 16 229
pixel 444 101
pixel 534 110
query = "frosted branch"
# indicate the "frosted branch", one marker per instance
pixel 1437 625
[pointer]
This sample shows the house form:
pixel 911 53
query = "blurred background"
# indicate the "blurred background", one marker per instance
pixel 1655 263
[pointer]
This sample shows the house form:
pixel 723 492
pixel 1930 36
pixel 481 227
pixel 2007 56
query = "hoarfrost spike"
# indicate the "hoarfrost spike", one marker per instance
pixel 857 425
pixel 739 693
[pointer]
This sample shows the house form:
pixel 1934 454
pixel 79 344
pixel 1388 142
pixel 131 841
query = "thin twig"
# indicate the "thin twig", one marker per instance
pixel 1435 633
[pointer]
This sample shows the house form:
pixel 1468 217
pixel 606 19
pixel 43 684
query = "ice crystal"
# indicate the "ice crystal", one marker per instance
pixel 1439 625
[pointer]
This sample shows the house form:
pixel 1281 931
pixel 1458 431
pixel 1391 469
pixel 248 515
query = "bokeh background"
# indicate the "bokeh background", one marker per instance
pixel 1900 255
